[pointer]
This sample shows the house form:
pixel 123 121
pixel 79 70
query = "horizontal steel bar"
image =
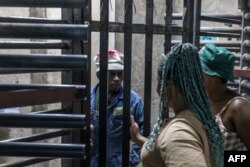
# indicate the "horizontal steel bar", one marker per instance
pixel 40 136
pixel 4 71
pixel 54 121
pixel 219 43
pixel 220 20
pixel 246 57
pixel 11 87
pixel 158 28
pixel 44 3
pixel 136 28
pixel 43 31
pixel 33 45
pixel 242 73
pixel 43 61
pixel 221 29
pixel 178 16
pixel 25 162
pixel 247 29
pixel 247 16
pixel 43 150
pixel 246 43
pixel 40 96
pixel 245 83
pixel 216 34
pixel 15 19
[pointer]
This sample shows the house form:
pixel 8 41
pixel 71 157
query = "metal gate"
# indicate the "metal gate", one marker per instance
pixel 75 32
pixel 71 121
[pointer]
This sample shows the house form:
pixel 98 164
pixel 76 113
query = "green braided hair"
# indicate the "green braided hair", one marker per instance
pixel 181 67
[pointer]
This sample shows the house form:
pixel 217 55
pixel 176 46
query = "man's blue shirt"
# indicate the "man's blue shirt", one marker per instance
pixel 114 128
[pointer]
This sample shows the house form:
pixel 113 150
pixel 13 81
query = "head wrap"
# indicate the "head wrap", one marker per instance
pixel 217 61
pixel 115 61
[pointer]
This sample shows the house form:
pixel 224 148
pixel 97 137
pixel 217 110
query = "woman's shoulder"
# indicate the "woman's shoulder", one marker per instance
pixel 185 124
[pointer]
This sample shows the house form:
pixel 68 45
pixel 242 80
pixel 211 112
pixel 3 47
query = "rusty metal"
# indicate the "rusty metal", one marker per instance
pixel 20 98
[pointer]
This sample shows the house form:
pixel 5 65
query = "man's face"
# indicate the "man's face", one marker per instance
pixel 115 79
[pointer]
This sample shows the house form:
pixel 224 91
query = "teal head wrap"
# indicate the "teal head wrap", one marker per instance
pixel 217 61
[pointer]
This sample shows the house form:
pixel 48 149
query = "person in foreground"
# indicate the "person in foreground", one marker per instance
pixel 232 110
pixel 114 113
pixel 192 138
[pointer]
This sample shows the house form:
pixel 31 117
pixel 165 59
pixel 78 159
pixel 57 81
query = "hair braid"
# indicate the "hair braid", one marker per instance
pixel 181 67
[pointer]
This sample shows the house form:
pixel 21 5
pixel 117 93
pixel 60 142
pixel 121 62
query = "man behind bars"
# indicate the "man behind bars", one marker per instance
pixel 114 113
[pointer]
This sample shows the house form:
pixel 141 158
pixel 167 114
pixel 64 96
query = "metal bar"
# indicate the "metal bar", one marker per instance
pixel 44 3
pixel 243 4
pixel 15 19
pixel 168 25
pixel 221 29
pixel 11 87
pixel 103 102
pixel 219 43
pixel 42 121
pixel 87 17
pixel 220 20
pixel 43 150
pixel 33 45
pixel 136 28
pixel 148 65
pixel 34 97
pixel 127 81
pixel 188 21
pixel 245 83
pixel 197 22
pixel 242 73
pixel 43 61
pixel 43 31
pixel 39 137
pixel 67 14
pixel 246 57
pixel 25 162
pixel 78 78
pixel 4 71
pixel 217 34
pixel 178 16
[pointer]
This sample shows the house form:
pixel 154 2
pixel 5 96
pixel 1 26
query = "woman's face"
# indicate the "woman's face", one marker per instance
pixel 208 80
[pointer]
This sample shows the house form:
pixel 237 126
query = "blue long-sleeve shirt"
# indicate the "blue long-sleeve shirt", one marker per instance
pixel 114 128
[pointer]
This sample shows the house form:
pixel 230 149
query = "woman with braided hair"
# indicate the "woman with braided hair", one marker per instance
pixel 191 138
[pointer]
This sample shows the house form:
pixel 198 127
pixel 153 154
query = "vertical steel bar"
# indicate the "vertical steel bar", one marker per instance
pixel 197 22
pixel 127 80
pixel 148 65
pixel 168 25
pixel 103 81
pixel 87 17
pixel 242 48
pixel 78 78
pixel 73 16
pixel 188 21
